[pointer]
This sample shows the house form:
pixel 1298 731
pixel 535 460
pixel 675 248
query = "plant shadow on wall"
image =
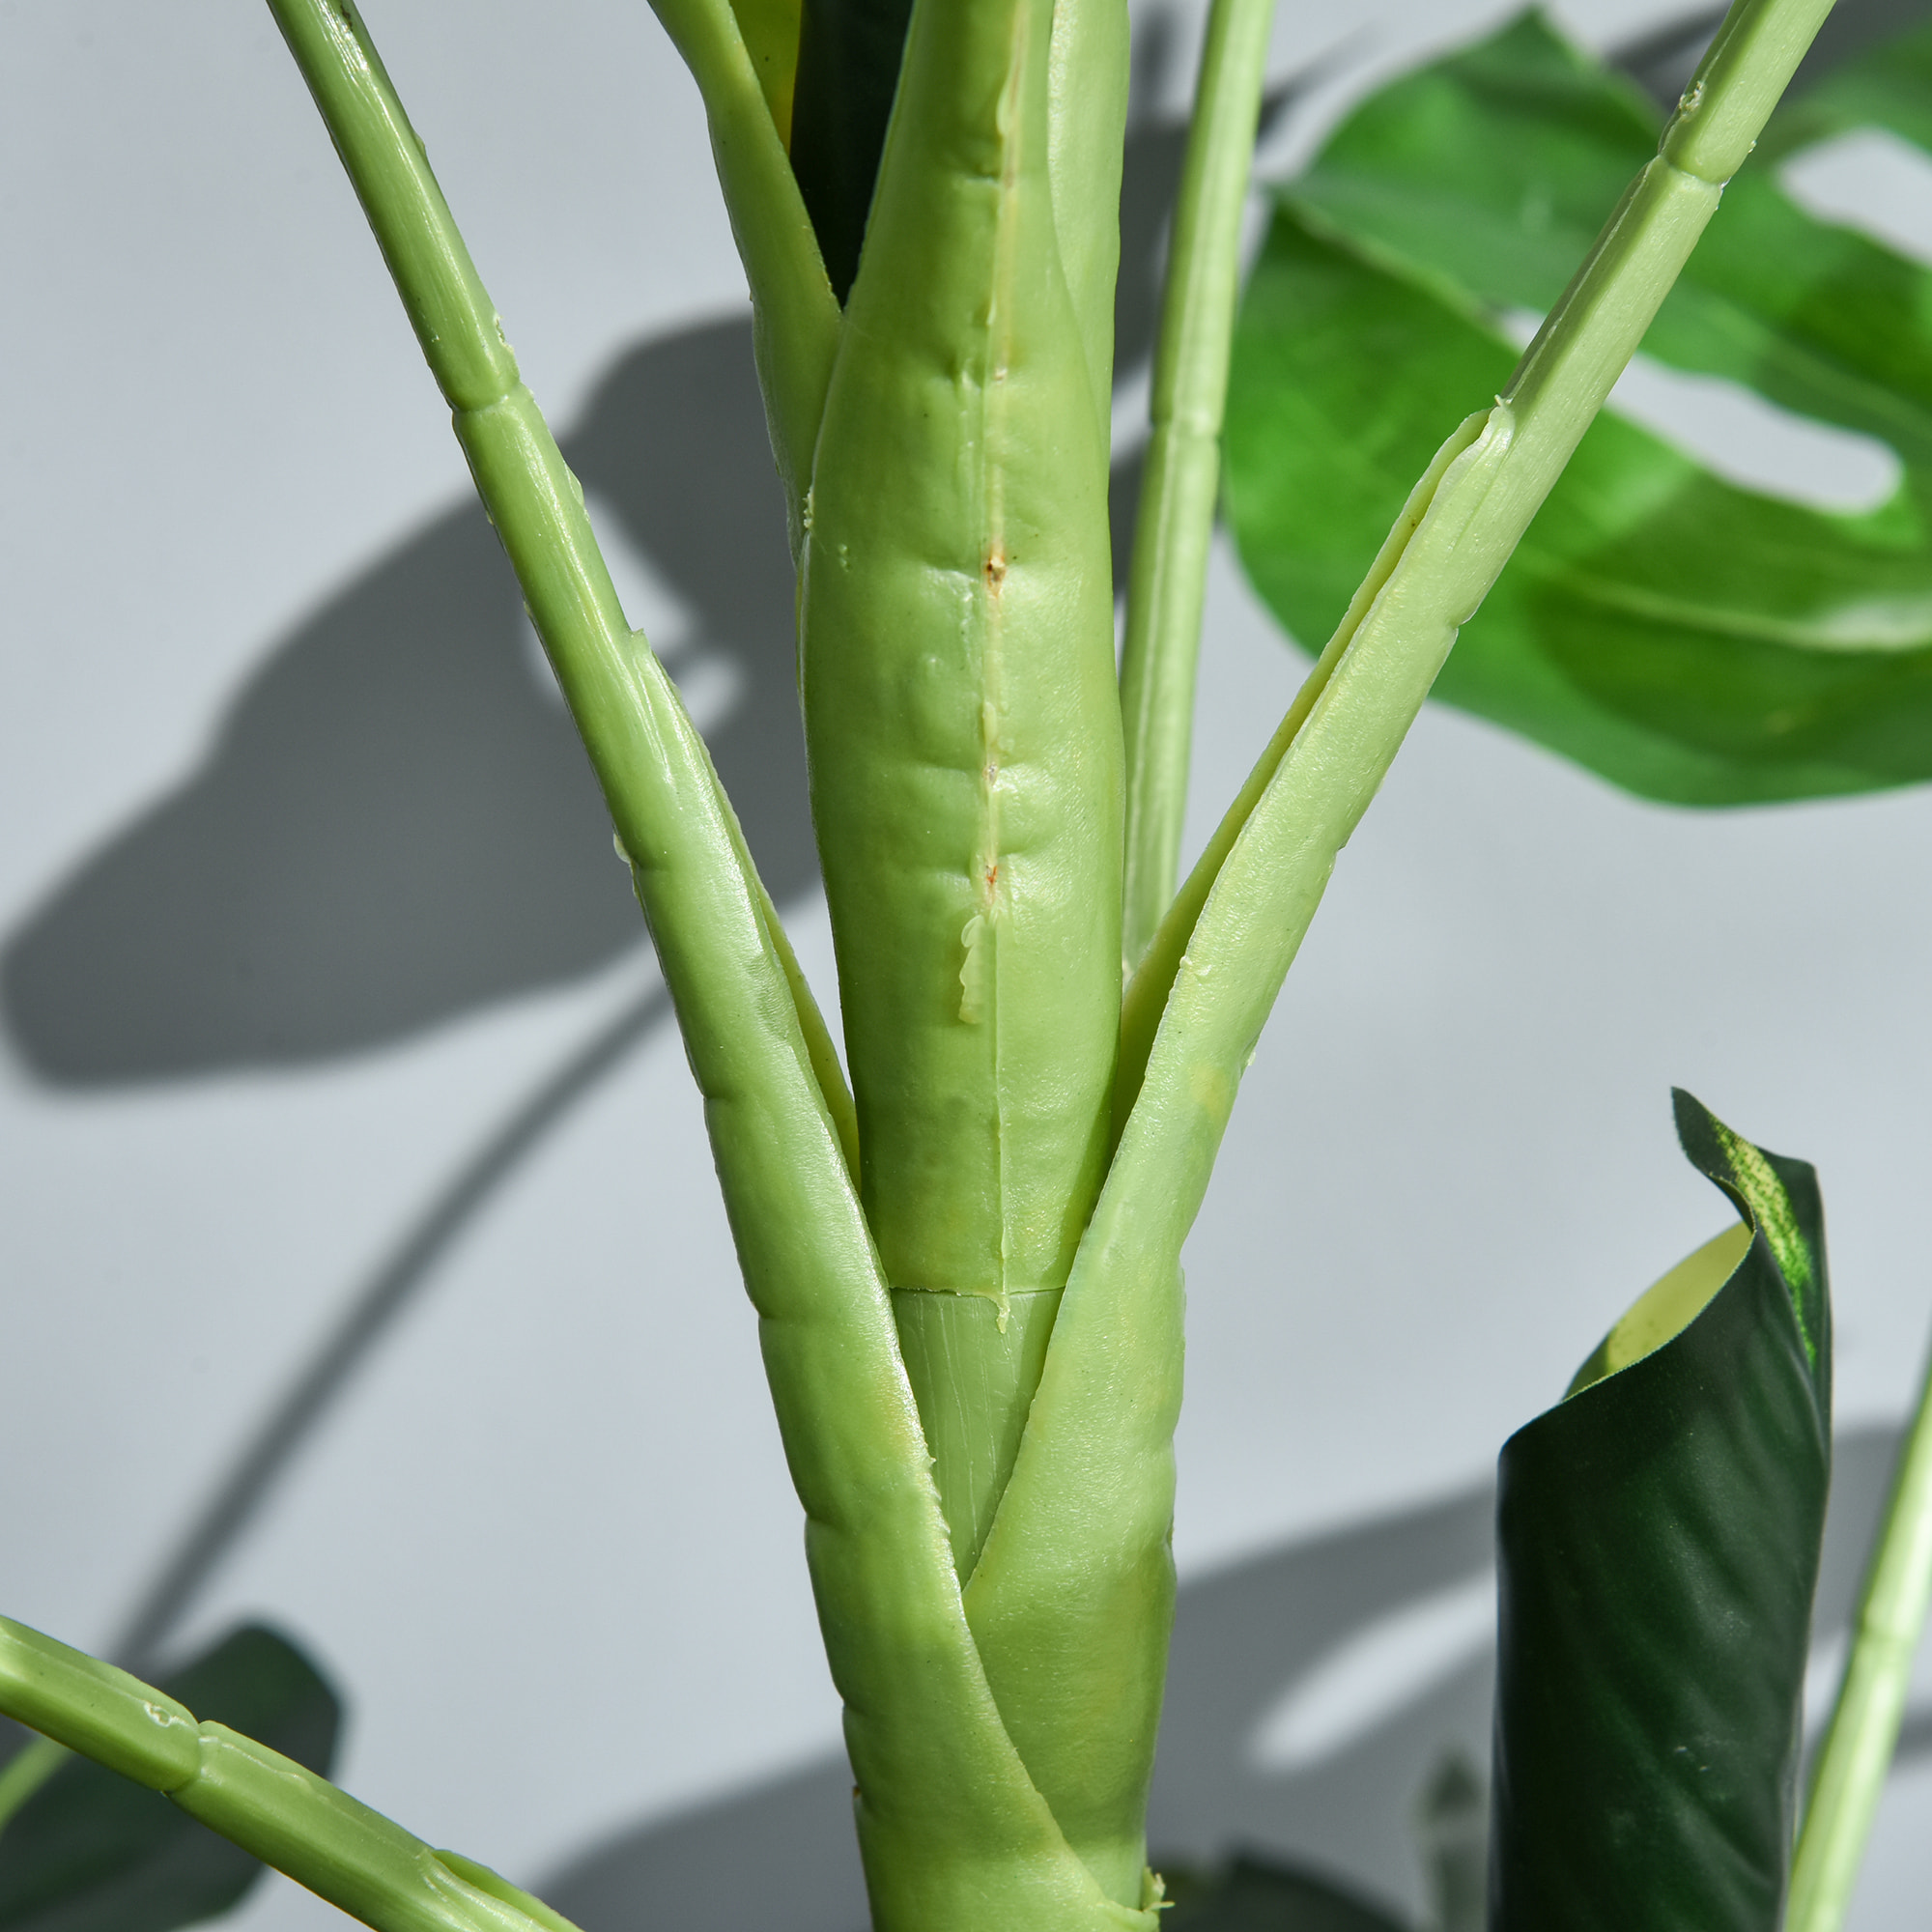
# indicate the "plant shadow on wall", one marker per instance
pixel 395 826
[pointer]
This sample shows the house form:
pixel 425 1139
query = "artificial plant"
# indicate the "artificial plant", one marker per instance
pixel 967 1268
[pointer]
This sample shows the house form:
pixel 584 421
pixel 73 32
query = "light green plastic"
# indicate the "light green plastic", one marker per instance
pixel 1855 1753
pixel 1182 483
pixel 974 1367
pixel 96 1710
pixel 957 670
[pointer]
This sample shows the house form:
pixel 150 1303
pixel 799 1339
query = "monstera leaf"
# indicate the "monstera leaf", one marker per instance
pixel 92 1852
pixel 1658 1534
pixel 1689 640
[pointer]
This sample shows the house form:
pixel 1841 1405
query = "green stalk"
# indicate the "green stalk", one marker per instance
pixel 1175 525
pixel 963 723
pixel 610 679
pixel 1313 783
pixel 272 1808
pixel 1855 1754
pixel 769 30
pixel 1090 67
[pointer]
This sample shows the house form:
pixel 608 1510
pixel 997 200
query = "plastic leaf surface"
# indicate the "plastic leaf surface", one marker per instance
pixel 91 1852
pixel 1687 639
pixel 1659 1535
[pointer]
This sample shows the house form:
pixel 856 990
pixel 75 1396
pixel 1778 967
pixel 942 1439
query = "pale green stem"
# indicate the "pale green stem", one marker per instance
pixel 1459 529
pixel 1855 1754
pixel 533 500
pixel 795 314
pixel 1175 523
pixel 25 1772
pixel 272 1808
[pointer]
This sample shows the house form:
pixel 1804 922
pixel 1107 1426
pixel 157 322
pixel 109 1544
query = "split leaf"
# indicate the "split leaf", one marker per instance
pixel 1691 639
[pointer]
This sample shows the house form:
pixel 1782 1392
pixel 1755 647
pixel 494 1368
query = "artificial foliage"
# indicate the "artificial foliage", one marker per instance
pixel 966 1264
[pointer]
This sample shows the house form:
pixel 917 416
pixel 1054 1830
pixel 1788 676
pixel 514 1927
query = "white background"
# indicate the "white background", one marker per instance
pixel 539 1532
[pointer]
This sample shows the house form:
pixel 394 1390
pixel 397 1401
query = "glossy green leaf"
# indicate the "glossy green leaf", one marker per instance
pixel 1691 639
pixel 1254 1894
pixel 91 1852
pixel 1658 1534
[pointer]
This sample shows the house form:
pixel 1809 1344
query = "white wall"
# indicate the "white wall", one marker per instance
pixel 306 910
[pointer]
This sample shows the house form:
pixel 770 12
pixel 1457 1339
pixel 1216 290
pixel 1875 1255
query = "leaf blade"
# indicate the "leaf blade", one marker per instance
pixel 1659 1536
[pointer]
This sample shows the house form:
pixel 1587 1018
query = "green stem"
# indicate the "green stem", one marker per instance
pixel 1096 1545
pixel 607 673
pixel 1175 523
pixel 1091 64
pixel 272 1808
pixel 1859 1742
pixel 1316 779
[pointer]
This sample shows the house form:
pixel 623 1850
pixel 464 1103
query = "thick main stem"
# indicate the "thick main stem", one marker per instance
pixel 958 1838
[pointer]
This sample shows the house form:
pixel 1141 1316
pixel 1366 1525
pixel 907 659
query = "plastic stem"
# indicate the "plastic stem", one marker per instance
pixel 1855 1754
pixel 1458 531
pixel 1175 525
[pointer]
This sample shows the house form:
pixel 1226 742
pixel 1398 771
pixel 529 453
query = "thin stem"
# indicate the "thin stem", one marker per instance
pixel 1169 577
pixel 615 689
pixel 1859 1742
pixel 1316 779
pixel 269 1805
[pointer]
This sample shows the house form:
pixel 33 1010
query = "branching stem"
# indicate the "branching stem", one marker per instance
pixel 1252 907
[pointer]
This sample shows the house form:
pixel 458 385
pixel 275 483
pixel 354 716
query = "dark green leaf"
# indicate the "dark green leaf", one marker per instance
pixel 1659 1535
pixel 849 53
pixel 1689 640
pixel 90 1851
pixel 1254 1894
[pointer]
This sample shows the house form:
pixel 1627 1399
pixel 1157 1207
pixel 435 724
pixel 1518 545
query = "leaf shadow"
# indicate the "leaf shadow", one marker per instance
pixel 393 824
